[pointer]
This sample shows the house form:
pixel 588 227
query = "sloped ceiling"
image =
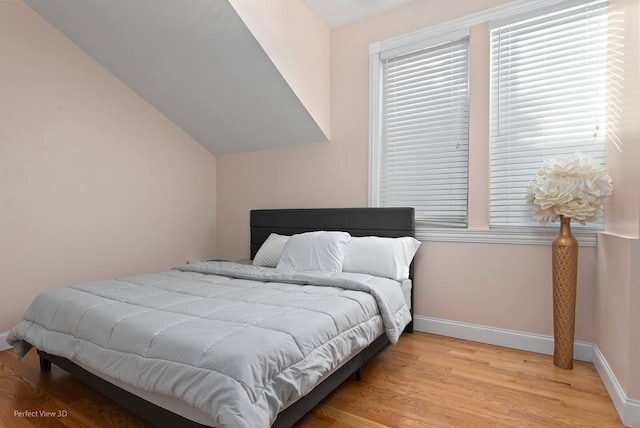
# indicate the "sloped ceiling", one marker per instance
pixel 196 62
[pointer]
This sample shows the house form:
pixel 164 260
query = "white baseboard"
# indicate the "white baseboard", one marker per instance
pixel 629 410
pixel 3 341
pixel 582 351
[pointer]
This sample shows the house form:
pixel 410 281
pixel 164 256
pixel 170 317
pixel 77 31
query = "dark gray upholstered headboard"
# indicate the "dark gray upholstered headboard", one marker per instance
pixel 388 222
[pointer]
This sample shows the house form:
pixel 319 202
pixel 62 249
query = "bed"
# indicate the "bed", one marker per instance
pixel 311 387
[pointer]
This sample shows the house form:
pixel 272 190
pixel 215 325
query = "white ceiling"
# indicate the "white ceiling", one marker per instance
pixel 335 13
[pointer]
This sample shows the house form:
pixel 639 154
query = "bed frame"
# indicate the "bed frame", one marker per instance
pixel 386 222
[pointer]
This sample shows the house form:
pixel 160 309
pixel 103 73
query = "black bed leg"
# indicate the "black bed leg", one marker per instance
pixel 45 365
pixel 358 375
pixel 409 328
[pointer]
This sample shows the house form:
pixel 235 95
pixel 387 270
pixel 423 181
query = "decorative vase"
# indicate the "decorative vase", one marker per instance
pixel 565 275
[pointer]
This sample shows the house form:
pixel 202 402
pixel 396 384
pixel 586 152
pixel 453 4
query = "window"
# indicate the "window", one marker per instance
pixel 548 99
pixel 422 145
pixel 541 88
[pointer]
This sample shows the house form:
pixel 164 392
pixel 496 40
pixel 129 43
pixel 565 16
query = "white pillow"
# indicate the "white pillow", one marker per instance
pixel 314 251
pixel 386 257
pixel 269 253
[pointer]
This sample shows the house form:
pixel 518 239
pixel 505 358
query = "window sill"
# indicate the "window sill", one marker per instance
pixel 505 235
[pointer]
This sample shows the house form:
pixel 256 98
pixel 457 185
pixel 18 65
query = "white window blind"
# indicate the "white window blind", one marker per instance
pixel 548 99
pixel 424 133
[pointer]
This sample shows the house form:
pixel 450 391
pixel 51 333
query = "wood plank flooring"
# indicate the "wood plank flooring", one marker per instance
pixel 424 381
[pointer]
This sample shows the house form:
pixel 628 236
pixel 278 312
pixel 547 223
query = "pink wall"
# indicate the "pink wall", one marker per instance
pixel 623 158
pixel 617 315
pixel 95 183
pixel 499 285
pixel 614 307
pixel 308 176
pixel 618 293
pixel 505 286
pixel 634 322
pixel 618 289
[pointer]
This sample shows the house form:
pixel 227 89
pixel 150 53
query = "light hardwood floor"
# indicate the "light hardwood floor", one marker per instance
pixel 424 381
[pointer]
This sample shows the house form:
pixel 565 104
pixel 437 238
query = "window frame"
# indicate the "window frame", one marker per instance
pixel 474 233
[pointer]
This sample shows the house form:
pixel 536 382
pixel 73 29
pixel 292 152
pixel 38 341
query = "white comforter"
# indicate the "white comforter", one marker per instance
pixel 215 334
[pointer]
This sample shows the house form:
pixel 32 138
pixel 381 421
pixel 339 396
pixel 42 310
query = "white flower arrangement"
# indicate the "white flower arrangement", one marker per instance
pixel 574 186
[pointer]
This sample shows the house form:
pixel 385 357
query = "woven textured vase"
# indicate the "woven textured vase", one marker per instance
pixel 565 275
